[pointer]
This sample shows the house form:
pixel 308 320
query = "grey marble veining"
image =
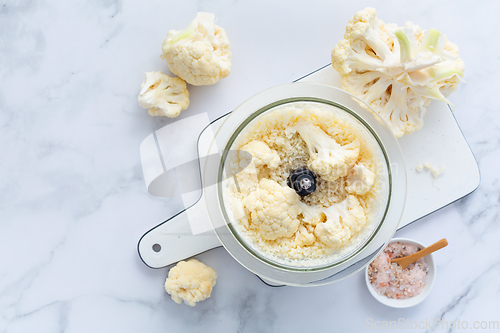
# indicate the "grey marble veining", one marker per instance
pixel 72 198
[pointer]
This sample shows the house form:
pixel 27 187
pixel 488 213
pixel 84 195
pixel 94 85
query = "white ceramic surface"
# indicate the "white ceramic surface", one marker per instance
pixel 73 202
pixel 409 302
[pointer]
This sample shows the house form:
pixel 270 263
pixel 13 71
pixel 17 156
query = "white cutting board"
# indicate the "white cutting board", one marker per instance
pixel 439 142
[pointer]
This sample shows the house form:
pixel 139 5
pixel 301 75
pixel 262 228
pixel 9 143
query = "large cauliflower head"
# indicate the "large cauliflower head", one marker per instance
pixel 274 209
pixel 343 220
pixel 163 95
pixel 397 71
pixel 199 54
pixel 190 281
pixel 327 158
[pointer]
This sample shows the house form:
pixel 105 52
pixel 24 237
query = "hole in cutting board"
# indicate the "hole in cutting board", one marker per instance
pixel 156 247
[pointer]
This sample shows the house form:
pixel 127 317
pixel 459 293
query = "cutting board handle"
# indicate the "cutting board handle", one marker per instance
pixel 173 240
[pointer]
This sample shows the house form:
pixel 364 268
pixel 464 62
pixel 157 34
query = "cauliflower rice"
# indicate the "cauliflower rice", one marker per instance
pixel 275 128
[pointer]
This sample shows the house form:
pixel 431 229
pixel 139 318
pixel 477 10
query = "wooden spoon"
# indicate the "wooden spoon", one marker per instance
pixel 406 261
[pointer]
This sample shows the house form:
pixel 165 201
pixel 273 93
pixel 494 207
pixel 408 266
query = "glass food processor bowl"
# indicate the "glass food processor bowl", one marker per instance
pixel 373 241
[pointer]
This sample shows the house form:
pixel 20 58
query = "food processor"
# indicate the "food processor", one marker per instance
pixel 207 224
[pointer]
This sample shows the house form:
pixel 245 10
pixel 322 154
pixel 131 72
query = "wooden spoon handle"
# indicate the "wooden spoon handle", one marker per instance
pixel 432 248
pixel 405 261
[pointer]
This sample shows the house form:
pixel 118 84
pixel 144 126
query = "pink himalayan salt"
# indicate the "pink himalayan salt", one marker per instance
pixel 390 279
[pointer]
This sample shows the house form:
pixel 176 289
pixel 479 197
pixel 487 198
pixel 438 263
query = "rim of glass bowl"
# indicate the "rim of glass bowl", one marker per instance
pixel 256 115
pixel 247 117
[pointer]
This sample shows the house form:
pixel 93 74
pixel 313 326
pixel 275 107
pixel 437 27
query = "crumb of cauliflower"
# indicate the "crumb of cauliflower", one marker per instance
pixel 190 281
pixel 274 208
pixel 435 171
pixel 163 95
pixel 200 54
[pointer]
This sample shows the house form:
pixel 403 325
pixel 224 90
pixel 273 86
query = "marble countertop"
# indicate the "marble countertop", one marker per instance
pixel 73 203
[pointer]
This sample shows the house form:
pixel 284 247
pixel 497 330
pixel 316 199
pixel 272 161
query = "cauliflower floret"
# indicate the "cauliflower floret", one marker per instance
pixel 273 208
pixel 326 157
pixel 191 281
pixel 303 237
pixel 360 180
pixel 261 154
pixel 344 219
pixel 247 179
pixel 253 156
pixel 311 215
pixel 397 71
pixel 200 54
pixel 163 95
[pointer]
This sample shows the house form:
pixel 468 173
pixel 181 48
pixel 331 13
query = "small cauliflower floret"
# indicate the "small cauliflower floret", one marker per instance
pixel 199 54
pixel 163 95
pixel 326 157
pixel 239 212
pixel 191 281
pixel 261 154
pixel 273 208
pixel 343 220
pixel 360 180
pixel 311 215
pixel 303 237
pixel 253 156
pixel 397 71
pixel 247 179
